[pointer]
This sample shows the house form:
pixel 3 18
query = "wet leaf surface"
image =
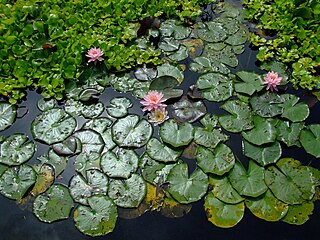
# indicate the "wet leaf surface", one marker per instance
pixel 8 114
pixel 251 82
pixel 44 104
pixel 91 141
pixel 310 139
pixel 59 163
pixel 289 132
pixel 119 107
pixel 87 161
pixel 299 214
pixel 186 110
pixel 160 152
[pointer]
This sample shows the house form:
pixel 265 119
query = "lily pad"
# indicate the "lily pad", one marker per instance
pixel 16 181
pixel 91 141
pixel 94 183
pixel 173 209
pixel 55 204
pixel 3 168
pixel 186 110
pixel 173 28
pixel 268 104
pixel 184 188
pixel 45 178
pixel 69 146
pixel 294 111
pixel 160 152
pixel 145 73
pixel 119 107
pixel 15 150
pixel 88 94
pixel 221 55
pixel 289 132
pixel 217 161
pixel 87 161
pixel 180 54
pixel 97 219
pixel 310 139
pixel 59 163
pixel 169 45
pixel 119 164
pixel 248 183
pixel 215 87
pixel 263 131
pixel 212 32
pixel 204 65
pixel 251 82
pixel 44 104
pixel 92 110
pixel 209 138
pixel 176 135
pixel 267 207
pixel 98 124
pixel 290 182
pixel 222 214
pixel 164 83
pixel 238 38
pixel 8 114
pixel 131 131
pixel 169 70
pixel 53 126
pixel 127 193
pixel 109 144
pixel 223 190
pixel 240 118
pixel 299 214
pixel 264 155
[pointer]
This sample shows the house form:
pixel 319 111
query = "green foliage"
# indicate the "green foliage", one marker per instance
pixel 296 24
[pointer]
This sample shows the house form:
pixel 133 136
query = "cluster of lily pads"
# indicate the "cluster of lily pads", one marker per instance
pixel 113 179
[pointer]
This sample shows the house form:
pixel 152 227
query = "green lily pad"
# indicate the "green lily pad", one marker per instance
pixel 186 110
pixel 98 124
pixel 91 141
pixel 44 104
pixel 8 114
pixel 109 144
pixel 73 107
pixel 94 183
pixel 251 82
pixel 119 107
pixel 217 161
pixel 169 70
pixel 290 182
pixel 299 214
pixel 169 45
pixel 92 110
pixel 263 131
pixel 127 193
pixel 172 28
pixel 278 67
pixel 176 135
pixel 15 150
pixel 212 32
pixel 123 83
pixel 223 190
pixel 53 126
pixel 160 152
pixel 69 146
pixel 55 204
pixel 289 132
pixel 97 219
pixel 164 83
pixel 264 155
pixel 180 54
pixel 209 138
pixel 220 55
pixel 294 111
pixel 267 207
pixel 240 118
pixel 88 94
pixel 87 161
pixel 248 183
pixel 16 181
pixel 3 168
pixel 238 38
pixel 131 131
pixel 184 188
pixel 222 214
pixel 204 65
pixel 119 164
pixel 215 87
pixel 45 178
pixel 310 139
pixel 268 104
pixel 59 163
pixel 145 73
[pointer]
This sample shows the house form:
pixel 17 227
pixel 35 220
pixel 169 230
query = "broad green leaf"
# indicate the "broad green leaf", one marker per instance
pixel 91 141
pixel 238 38
pixel 263 131
pixel 240 118
pixel 53 126
pixel 248 183
pixel 3 168
pixel 88 94
pixel 295 112
pixel 310 139
pixel 219 53
pixel 98 124
pixel 223 190
pixel 97 219
pixel 92 110
pixel 169 45
pixel 209 137
pixel 267 207
pixel 145 73
pixel 119 107
pixel 109 144
pixel 44 104
pixel 8 114
pixel 264 155
pixel 119 164
pixel 218 161
pixel 299 214
pixel 55 204
pixel 186 110
pixel 289 132
pixel 268 104
pixel 59 163
pixel 204 65
pixel 69 146
pixel 131 131
pixel 94 183
pixel 180 54
pixel 164 83
pixel 169 70
pixel 160 152
pixel 173 28
pixel 15 150
pixel 289 181
pixel 176 135
pixel 222 214
pixel 87 161
pixel 215 87
pixel 16 181
pixel 184 188
pixel 251 82
pixel 212 32
pixel 127 193
pixel 123 83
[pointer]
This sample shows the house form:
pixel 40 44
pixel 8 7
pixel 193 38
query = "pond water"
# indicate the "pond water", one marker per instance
pixel 18 222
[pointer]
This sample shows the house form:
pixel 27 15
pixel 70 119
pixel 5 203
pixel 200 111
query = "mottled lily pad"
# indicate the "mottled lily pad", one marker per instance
pixel 294 111
pixel 87 161
pixel 98 124
pixel 91 141
pixel 299 214
pixel 289 132
pixel 186 110
pixel 160 152
pixel 16 181
pixel 53 126
pixel 44 104
pixel 119 107
pixel 15 150
pixel 212 32
pixel 180 54
pixel 53 205
pixel 59 163
pixel 69 146
pixel 268 104
pixel 209 137
pixel 145 73
pixel 169 70
pixel 251 82
pixel 8 114
pixel 310 139
pixel 97 219
pixel 169 45
pixel 184 188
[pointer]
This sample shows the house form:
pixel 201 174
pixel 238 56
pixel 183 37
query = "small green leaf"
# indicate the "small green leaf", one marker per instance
pixel 119 107
pixel 289 132
pixel 44 104
pixel 87 161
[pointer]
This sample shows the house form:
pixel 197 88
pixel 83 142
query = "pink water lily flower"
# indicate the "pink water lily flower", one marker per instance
pixel 95 54
pixel 158 116
pixel 272 80
pixel 152 101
